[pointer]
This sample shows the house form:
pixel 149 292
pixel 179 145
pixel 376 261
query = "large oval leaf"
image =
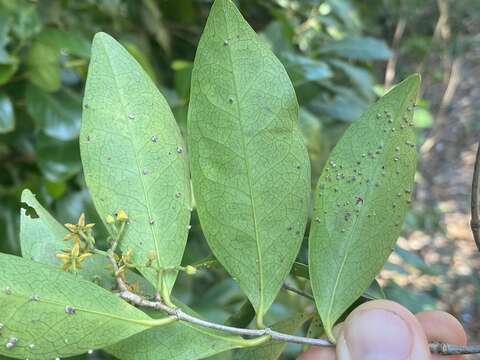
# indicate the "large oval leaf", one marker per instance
pixel 360 201
pixel 250 169
pixel 46 313
pixel 134 159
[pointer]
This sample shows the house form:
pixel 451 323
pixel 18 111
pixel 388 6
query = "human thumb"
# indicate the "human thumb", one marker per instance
pixel 381 330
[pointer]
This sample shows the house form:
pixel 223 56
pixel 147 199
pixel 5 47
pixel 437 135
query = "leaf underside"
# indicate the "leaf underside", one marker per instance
pixel 361 200
pixel 134 158
pixel 47 313
pixel 250 168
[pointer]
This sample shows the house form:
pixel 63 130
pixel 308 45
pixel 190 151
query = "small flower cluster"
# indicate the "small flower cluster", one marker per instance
pixel 83 241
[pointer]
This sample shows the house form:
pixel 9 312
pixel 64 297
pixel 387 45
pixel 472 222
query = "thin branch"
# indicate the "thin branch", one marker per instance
pixel 392 61
pixel 297 291
pixel 451 349
pixel 475 221
pixel 157 304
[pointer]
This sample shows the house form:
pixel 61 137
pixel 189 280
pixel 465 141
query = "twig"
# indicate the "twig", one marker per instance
pixel 297 291
pixel 475 221
pixel 451 349
pixel 136 299
pixel 157 304
pixel 392 61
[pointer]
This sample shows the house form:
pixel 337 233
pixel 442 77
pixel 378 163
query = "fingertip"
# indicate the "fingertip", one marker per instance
pixel 443 327
pixel 318 353
pixel 382 329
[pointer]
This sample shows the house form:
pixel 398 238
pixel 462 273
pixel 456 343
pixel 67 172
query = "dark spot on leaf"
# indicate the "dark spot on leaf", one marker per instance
pixel 29 211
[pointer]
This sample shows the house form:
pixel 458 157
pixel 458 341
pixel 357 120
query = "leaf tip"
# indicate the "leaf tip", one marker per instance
pixel 26 194
pixel 413 80
pixel 101 38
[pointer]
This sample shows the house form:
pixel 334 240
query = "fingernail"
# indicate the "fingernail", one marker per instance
pixel 378 335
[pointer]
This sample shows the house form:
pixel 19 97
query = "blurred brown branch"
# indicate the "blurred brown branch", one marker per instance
pixel 475 221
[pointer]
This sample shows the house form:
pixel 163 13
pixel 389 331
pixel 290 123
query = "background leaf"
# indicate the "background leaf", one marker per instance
pixel 44 67
pixel 58 114
pixel 361 200
pixel 51 313
pixel 358 48
pixel 250 168
pixel 58 160
pixel 66 41
pixel 134 157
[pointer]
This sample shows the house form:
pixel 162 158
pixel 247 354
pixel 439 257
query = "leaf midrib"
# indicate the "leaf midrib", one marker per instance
pixel 147 203
pixel 349 244
pixel 146 322
pixel 252 201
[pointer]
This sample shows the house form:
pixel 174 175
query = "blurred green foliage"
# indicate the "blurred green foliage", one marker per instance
pixel 333 50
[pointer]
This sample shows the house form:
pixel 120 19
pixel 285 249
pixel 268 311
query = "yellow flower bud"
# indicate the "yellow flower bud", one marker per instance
pixel 151 255
pixel 110 220
pixel 84 256
pixel 122 215
pixel 62 256
pixel 81 220
pixel 76 250
pixel 71 227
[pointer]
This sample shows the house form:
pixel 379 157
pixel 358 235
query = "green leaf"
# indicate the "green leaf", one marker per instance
pixel 345 105
pixel 374 291
pixel 301 68
pixel 175 341
pixel 134 158
pixel 359 77
pixel 243 317
pixel 7 116
pixel 46 313
pixel 58 115
pixel 358 48
pixel 67 41
pixel 4 37
pixel 315 328
pixel 141 58
pixel 413 299
pixel 361 200
pixel 41 238
pixel 58 160
pixel 271 350
pixel 44 67
pixel 250 168
pixel 182 79
pixel 7 70
pixel 417 262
